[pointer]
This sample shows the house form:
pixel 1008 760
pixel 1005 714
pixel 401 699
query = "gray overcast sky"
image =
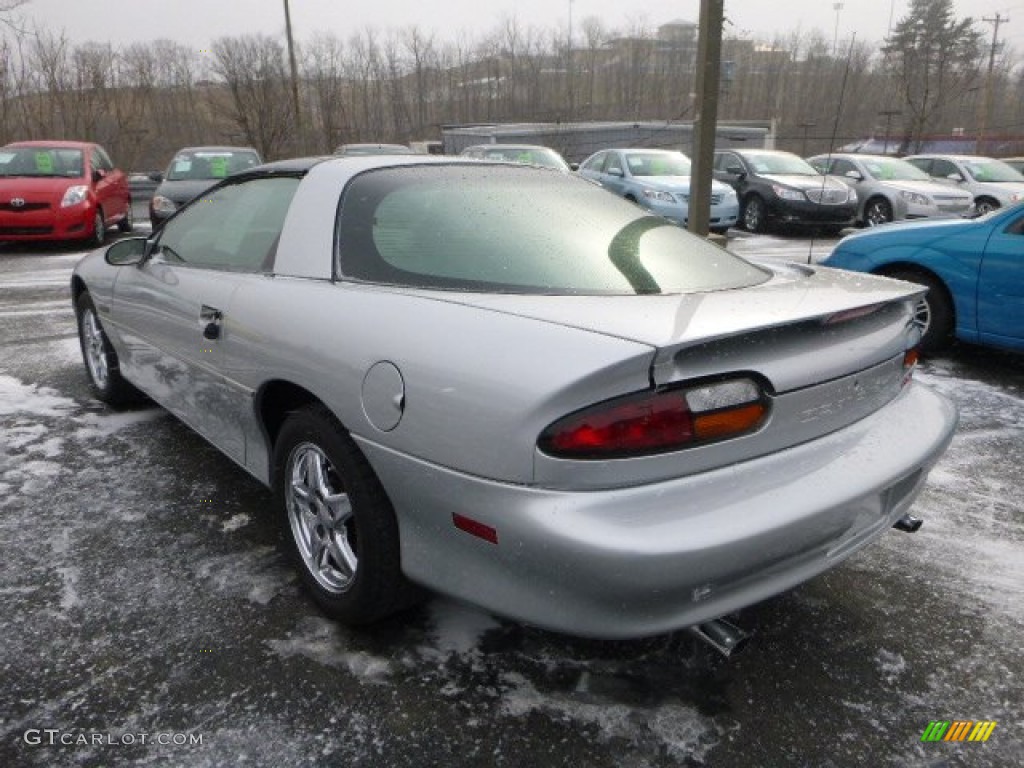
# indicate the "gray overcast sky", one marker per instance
pixel 202 21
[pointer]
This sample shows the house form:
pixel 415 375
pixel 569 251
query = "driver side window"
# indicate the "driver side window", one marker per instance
pixel 233 228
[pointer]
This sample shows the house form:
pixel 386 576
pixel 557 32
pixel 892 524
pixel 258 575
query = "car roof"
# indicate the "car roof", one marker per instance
pixel 396 148
pixel 216 148
pixel 758 150
pixel 58 143
pixel 291 165
pixel 964 158
pixel 509 146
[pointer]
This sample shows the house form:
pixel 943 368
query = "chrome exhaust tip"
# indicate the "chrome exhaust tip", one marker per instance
pixel 723 636
pixel 908 524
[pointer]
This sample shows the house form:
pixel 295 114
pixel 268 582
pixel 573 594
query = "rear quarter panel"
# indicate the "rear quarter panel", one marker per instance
pixel 479 385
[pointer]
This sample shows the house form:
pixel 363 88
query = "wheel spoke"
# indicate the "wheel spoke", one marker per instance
pixel 339 507
pixel 343 555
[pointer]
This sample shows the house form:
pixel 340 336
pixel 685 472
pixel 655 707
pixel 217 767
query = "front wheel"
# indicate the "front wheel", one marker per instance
pixel 754 214
pixel 99 229
pixel 877 211
pixel 933 313
pixel 100 358
pixel 985 205
pixel 338 523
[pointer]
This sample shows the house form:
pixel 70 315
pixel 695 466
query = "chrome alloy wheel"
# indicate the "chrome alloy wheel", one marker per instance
pixel 94 346
pixel 320 515
pixel 922 316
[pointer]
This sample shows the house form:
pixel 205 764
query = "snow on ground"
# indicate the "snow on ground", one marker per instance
pixel 143 588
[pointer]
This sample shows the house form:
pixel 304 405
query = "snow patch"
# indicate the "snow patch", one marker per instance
pixel 69 588
pixel 682 731
pixel 234 523
pixel 325 642
pixel 94 425
pixel 457 627
pixel 890 665
pixel 16 397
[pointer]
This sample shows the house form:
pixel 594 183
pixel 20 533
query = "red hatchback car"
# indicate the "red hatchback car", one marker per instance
pixel 61 190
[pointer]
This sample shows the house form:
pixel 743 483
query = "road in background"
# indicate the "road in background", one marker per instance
pixel 144 596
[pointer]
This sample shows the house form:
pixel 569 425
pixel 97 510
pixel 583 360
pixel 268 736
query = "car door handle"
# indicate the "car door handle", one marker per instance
pixel 209 321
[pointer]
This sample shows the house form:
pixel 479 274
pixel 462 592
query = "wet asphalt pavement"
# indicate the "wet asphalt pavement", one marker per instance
pixel 149 618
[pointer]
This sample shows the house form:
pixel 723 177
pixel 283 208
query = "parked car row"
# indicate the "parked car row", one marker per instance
pixel 752 188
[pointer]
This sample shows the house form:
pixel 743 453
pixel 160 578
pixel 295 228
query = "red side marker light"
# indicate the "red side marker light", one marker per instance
pixel 475 528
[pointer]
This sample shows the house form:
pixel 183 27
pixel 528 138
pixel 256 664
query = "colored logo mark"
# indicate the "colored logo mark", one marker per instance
pixel 958 730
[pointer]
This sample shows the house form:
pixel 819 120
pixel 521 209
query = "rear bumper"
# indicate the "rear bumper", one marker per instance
pixel 639 561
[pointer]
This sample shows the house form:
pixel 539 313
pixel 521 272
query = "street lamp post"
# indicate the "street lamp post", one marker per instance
pixel 837 7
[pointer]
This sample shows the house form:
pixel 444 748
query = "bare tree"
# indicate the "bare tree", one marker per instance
pixel 254 70
pixel 936 59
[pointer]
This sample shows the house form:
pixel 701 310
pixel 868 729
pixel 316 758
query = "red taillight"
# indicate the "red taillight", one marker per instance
pixel 910 358
pixel 657 422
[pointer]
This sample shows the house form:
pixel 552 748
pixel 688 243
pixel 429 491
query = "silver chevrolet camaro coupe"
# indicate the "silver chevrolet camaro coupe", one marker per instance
pixel 504 384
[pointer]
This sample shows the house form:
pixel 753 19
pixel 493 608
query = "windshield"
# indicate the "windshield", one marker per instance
pixel 891 169
pixel 42 161
pixel 209 164
pixel 658 163
pixel 781 162
pixel 992 170
pixel 518 229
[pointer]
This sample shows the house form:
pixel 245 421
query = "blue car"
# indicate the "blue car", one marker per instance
pixel 974 270
pixel 659 180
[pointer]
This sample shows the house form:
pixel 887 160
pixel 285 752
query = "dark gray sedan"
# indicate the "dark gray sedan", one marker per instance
pixel 502 383
pixel 192 171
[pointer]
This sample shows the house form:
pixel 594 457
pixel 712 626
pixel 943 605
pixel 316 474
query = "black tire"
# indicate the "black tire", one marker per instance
pixel 347 553
pixel 985 205
pixel 99 230
pixel 754 214
pixel 127 224
pixel 101 364
pixel 877 211
pixel 934 313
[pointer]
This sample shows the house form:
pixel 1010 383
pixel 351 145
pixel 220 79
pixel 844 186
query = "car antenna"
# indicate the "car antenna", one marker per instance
pixel 835 127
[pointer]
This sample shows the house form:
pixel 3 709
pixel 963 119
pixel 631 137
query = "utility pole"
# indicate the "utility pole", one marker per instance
pixel 294 71
pixel 986 101
pixel 709 65
pixel 568 67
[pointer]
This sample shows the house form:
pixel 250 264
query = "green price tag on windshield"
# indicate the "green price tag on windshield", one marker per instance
pixel 219 167
pixel 44 162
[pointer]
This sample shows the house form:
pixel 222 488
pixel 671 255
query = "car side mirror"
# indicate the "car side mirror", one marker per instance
pixel 955 177
pixel 126 252
pixel 615 172
pixel 156 176
pixel 98 175
pixel 574 166
pixel 853 175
